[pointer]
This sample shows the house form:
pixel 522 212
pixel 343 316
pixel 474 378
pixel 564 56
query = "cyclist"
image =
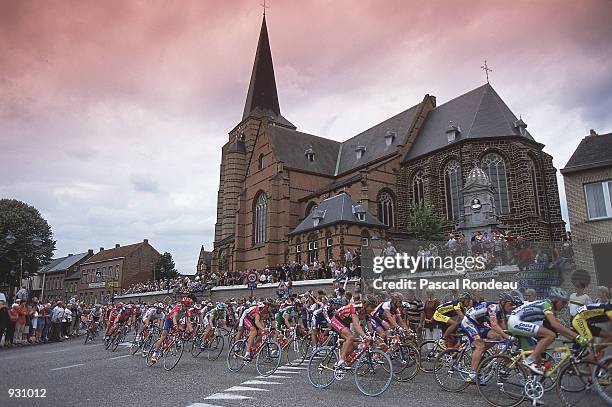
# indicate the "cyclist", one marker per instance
pixel 414 312
pixel 537 320
pixel 487 320
pixel 388 315
pixel 179 313
pixel 153 314
pixel 589 315
pixel 211 320
pixel 252 319
pixel 448 316
pixel 112 315
pixel 94 317
pixel 344 317
pixel 287 316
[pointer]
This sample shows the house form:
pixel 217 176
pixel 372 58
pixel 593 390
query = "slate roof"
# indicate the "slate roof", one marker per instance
pixel 478 113
pixel 64 263
pixel 593 152
pixel 337 209
pixel 52 263
pixel 290 145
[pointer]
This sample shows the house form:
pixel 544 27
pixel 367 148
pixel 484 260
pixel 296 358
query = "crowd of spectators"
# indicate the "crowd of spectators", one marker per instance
pixel 28 323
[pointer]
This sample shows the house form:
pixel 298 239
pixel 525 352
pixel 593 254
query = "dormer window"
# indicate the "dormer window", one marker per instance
pixel 390 138
pixel 521 126
pixel 310 154
pixel 317 217
pixel 359 212
pixel 452 132
pixel 360 151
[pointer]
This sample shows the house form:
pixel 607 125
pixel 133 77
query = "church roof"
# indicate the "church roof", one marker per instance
pixel 337 209
pixel 332 157
pixel 262 96
pixel 478 113
pixel 594 151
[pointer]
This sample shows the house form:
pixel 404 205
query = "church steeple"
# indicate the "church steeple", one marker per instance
pixel 262 97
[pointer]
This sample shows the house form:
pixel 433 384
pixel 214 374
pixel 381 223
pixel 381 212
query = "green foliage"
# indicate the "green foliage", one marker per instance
pixel 165 267
pixel 25 223
pixel 426 225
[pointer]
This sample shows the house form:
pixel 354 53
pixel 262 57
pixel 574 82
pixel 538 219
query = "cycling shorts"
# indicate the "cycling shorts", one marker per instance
pixel 473 330
pixel 168 324
pixel 585 328
pixel 522 328
pixel 337 325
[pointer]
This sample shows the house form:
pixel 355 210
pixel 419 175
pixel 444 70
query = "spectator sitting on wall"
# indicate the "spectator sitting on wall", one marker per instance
pixel 578 298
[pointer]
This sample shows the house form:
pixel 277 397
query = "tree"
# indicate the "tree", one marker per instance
pixel 426 225
pixel 165 267
pixel 24 223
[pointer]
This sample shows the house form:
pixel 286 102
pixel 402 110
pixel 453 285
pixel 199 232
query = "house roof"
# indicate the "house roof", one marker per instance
pixel 64 263
pixel 337 209
pixel 479 113
pixel 114 253
pixel 594 151
pixel 52 263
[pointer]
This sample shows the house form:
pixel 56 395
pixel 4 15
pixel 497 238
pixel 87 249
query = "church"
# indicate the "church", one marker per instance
pixel 286 195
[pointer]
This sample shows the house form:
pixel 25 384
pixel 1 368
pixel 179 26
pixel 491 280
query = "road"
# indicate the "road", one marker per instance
pixel 75 374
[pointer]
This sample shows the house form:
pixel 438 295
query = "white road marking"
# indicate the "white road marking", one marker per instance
pixel 273 377
pixel 244 388
pixel 293 367
pixel 59 350
pixel 226 396
pixel 287 371
pixel 203 405
pixel 68 367
pixel 252 382
pixel 119 357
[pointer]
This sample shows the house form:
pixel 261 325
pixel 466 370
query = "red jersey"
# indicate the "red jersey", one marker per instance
pixel 179 311
pixel 345 314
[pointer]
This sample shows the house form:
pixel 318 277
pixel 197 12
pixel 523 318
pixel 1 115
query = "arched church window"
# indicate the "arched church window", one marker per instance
pixel 260 218
pixel 452 186
pixel 418 191
pixel 495 167
pixel 386 209
pixel 533 173
pixel 260 162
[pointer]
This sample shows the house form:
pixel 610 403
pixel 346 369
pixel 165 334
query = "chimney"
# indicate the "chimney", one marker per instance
pixel 592 133
pixel 101 249
pixel 90 252
pixel 146 241
pixel 117 245
pixel 70 254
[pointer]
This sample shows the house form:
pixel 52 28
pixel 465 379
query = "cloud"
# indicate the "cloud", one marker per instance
pixel 112 114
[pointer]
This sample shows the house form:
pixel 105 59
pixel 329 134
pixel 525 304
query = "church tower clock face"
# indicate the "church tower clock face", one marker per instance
pixel 476 205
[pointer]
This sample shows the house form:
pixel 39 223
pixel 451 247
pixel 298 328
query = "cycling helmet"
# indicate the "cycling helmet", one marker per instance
pixel 120 305
pixel 129 306
pixel 558 293
pixel 187 301
pixel 297 302
pixel 159 305
pixel 465 296
pixel 517 297
pixel 505 297
pixel 197 306
pixel 397 296
pixel 336 301
pixel 221 306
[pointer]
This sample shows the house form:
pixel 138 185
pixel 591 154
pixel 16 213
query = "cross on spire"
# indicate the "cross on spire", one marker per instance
pixel 486 68
pixel 264 7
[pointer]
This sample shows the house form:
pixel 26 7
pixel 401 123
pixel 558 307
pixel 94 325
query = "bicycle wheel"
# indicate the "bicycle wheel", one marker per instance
pixel 373 372
pixel 293 353
pixel 148 344
pixel 147 358
pixel 268 358
pixel 451 369
pixel 87 337
pixel 576 385
pixel 215 347
pixel 235 357
pixel 506 384
pixel 321 367
pixel 108 342
pixel 602 380
pixel 428 352
pixel 196 346
pixel 173 354
pixel 405 361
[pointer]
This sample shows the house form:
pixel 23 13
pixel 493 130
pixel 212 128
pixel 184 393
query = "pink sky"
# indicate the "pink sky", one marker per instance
pixel 112 113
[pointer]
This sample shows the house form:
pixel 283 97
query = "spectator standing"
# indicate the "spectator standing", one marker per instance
pixel 429 307
pixel 603 295
pixel 57 315
pixel 531 295
pixel 22 294
pixel 4 319
pixel 22 311
pixel 67 321
pixel 10 332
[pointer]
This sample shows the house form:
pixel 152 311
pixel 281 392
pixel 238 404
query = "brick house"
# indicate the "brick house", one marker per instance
pixel 588 187
pixel 272 176
pixel 56 273
pixel 109 271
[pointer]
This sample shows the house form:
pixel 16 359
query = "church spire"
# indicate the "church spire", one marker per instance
pixel 262 93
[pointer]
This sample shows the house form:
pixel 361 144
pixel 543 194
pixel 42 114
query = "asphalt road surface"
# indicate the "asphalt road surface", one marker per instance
pixel 74 374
